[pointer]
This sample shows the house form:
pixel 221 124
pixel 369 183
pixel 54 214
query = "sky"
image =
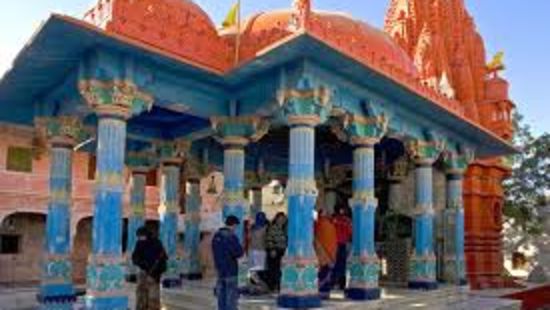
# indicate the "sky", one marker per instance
pixel 519 28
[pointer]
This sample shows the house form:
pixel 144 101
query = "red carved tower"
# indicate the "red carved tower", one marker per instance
pixel 441 37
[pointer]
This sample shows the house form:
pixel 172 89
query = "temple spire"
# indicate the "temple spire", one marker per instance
pixel 302 10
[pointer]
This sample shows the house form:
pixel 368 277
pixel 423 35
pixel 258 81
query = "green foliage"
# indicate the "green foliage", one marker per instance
pixel 529 183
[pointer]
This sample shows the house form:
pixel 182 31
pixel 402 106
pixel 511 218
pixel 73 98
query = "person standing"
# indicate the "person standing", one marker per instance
pixel 227 249
pixel 276 242
pixel 325 245
pixel 257 243
pixel 150 257
pixel 342 222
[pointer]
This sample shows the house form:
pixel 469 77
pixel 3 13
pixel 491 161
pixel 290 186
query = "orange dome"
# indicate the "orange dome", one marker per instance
pixel 352 37
pixel 179 27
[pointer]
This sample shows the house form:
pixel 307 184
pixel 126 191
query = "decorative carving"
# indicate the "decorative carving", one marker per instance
pixel 119 98
pixel 422 268
pixel 56 269
pixel 425 152
pixel 364 271
pixel 302 12
pixel 240 130
pixel 457 163
pixel 66 130
pixel 141 160
pixel 399 169
pixel 306 104
pixel 299 277
pixel 105 276
pixel 173 151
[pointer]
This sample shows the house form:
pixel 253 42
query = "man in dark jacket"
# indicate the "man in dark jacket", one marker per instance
pixel 227 250
pixel 150 257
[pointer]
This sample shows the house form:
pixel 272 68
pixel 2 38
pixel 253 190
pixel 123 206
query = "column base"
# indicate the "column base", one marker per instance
pixel 423 285
pixel 171 283
pixel 192 276
pixel 107 303
pixel 363 293
pixel 299 302
pixel 131 278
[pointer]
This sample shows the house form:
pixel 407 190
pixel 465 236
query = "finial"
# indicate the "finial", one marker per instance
pixel 302 12
pixel 496 64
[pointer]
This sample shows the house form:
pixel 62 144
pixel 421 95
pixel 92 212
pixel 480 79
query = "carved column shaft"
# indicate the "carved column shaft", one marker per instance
pixel 137 215
pixel 192 267
pixel 56 290
pixel 422 269
pixel 168 214
pixel 233 171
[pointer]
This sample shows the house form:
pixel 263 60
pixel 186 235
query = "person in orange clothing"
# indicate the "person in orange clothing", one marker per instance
pixel 326 245
pixel 342 222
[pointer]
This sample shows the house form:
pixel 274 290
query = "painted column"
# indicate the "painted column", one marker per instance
pixel 139 164
pixel 422 269
pixel 192 267
pixel 114 102
pixel 454 260
pixel 56 290
pixel 235 133
pixel 233 171
pixel 171 154
pixel 363 264
pixel 304 108
pixel 256 205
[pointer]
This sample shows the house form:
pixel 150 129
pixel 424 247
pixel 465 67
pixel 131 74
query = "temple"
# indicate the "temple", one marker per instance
pixel 140 110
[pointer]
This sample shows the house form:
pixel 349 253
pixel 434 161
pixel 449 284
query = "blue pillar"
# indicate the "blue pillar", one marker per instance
pixel 454 260
pixel 168 214
pixel 299 280
pixel 114 102
pixel 422 269
pixel 305 106
pixel 363 264
pixel 136 220
pixel 233 172
pixel 56 290
pixel 192 268
pixel 105 271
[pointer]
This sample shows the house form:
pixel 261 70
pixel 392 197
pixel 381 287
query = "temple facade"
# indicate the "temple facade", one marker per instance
pixel 132 115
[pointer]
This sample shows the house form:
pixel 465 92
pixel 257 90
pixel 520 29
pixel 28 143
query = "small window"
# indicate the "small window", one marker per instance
pixel 91 167
pixel 19 159
pixel 9 244
pixel 152 178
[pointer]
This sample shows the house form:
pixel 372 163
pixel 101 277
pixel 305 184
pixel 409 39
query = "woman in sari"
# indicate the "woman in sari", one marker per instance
pixel 326 246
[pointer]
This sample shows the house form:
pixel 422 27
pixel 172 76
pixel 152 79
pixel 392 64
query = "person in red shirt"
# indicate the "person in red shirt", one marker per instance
pixel 342 222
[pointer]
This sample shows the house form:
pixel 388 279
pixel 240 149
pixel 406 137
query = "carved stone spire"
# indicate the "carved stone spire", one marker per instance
pixel 302 9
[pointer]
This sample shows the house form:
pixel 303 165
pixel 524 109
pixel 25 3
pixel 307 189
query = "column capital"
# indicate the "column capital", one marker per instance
pixel 360 130
pixel 399 169
pixel 456 163
pixel 238 131
pixel 424 153
pixel 196 169
pixel 306 104
pixel 173 152
pixel 119 98
pixel 140 161
pixel 61 130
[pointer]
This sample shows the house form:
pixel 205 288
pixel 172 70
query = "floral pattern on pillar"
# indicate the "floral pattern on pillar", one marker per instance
pixel 114 102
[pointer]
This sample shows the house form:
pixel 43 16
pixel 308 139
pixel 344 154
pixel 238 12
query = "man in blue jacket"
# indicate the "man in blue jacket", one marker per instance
pixel 227 250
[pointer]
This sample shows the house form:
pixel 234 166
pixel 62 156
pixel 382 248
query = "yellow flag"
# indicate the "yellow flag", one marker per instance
pixel 231 18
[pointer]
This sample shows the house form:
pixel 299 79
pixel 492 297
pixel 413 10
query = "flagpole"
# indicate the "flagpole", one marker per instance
pixel 238 36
